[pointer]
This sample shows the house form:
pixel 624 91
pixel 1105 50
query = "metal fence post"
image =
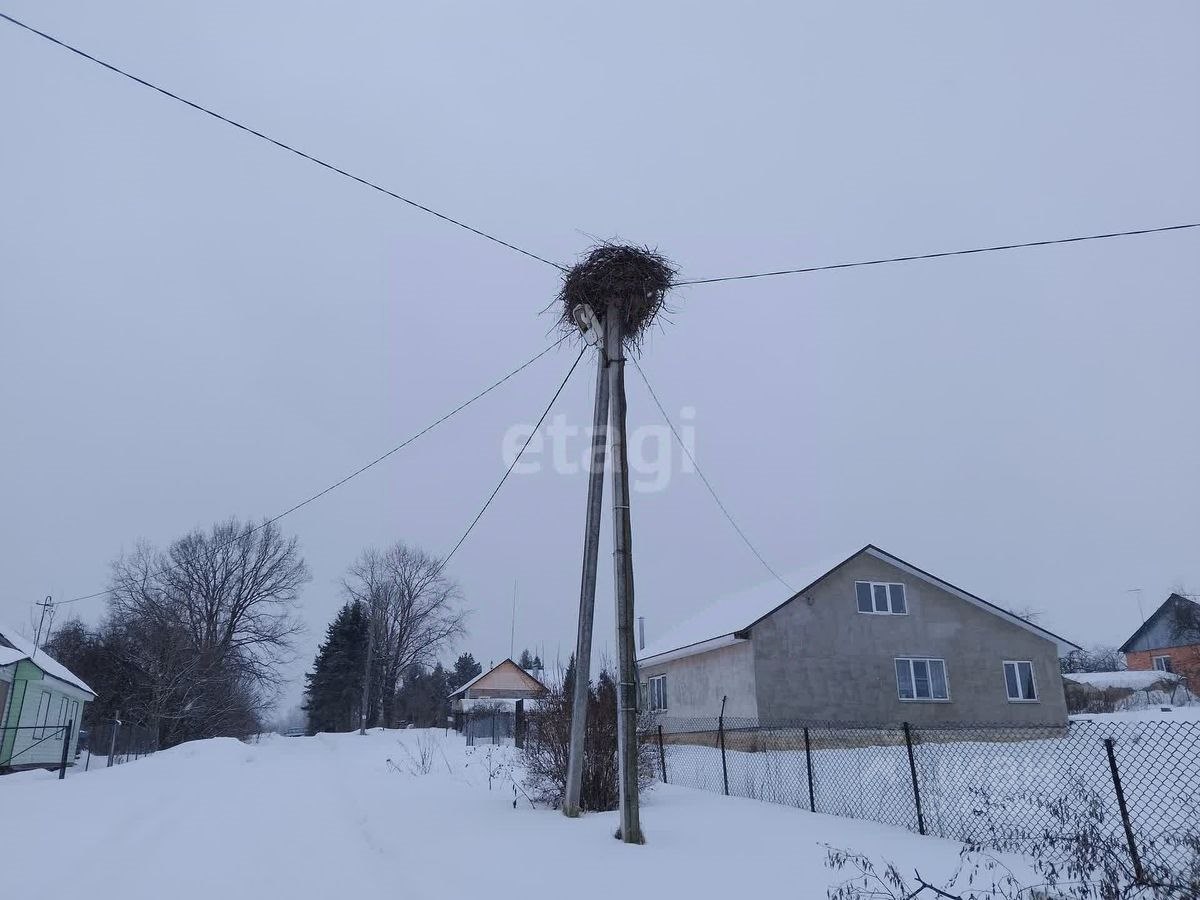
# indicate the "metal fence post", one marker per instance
pixel 721 740
pixel 812 798
pixel 1116 777
pixel 112 739
pixel 662 755
pixel 912 768
pixel 62 766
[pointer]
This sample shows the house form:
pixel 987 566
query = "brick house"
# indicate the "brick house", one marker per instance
pixel 1169 641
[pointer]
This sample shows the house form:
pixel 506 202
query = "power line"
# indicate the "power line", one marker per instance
pixel 704 478
pixel 516 459
pixel 896 259
pixel 428 428
pixel 280 144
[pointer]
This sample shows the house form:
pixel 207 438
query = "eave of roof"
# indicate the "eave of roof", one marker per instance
pixel 727 637
pixel 1174 600
pixel 482 675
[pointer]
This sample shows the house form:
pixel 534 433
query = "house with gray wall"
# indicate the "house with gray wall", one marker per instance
pixel 870 638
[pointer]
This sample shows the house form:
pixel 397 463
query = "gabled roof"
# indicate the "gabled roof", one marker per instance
pixel 482 675
pixel 1172 606
pixel 24 649
pixel 720 623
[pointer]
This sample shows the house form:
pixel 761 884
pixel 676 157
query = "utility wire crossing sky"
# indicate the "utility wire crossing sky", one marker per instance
pixel 491 237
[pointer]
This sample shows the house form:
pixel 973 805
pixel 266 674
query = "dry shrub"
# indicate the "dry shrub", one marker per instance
pixel 547 747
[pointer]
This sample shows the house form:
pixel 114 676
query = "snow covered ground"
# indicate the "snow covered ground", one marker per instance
pixel 331 816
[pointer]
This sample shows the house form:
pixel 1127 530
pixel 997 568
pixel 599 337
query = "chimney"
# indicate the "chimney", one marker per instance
pixel 641 632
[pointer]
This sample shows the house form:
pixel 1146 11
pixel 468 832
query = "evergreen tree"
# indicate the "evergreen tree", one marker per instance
pixel 333 692
pixel 439 689
pixel 537 662
pixel 465 668
pixel 568 684
pixel 526 660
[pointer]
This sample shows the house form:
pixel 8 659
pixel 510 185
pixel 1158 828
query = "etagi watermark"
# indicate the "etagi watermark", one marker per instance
pixel 654 455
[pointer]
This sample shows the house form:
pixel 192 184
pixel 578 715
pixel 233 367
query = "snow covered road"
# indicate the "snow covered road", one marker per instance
pixel 328 816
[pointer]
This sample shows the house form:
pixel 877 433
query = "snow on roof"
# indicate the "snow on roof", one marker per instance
pixel 715 625
pixel 1135 680
pixel 501 664
pixel 455 693
pixel 736 611
pixel 26 650
pixel 8 655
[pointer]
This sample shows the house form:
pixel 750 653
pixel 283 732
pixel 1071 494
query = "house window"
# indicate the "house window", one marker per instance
pixel 1162 663
pixel 880 598
pixel 1018 681
pixel 658 693
pixel 39 731
pixel 922 679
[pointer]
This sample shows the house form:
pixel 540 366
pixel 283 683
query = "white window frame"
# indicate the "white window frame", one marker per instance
pixel 1165 659
pixel 658 692
pixel 913 679
pixel 1017 663
pixel 887 586
pixel 43 711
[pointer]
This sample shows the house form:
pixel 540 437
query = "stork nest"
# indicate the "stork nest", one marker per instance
pixel 631 280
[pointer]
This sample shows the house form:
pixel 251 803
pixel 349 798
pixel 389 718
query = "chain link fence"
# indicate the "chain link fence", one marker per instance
pixel 1001 786
pixel 112 743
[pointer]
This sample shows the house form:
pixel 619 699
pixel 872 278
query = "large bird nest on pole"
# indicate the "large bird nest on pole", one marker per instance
pixel 632 280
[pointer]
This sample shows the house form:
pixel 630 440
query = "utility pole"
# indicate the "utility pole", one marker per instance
pixel 587 586
pixel 366 691
pixel 47 606
pixel 627 751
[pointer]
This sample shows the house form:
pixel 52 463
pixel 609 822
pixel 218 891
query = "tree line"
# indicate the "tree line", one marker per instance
pixel 195 637
pixel 378 664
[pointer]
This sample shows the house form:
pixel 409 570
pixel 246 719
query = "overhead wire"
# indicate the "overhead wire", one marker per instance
pixel 704 478
pixel 275 141
pixel 938 255
pixel 516 459
pixel 361 469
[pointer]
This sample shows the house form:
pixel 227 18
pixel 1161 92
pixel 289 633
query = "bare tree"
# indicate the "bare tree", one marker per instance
pixel 207 624
pixel 414 609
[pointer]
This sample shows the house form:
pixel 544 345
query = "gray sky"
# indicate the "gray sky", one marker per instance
pixel 197 325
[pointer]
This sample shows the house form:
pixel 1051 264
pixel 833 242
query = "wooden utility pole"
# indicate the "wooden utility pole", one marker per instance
pixel 366 691
pixel 627 751
pixel 47 606
pixel 587 589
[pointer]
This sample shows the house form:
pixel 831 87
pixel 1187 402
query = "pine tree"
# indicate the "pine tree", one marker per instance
pixel 526 660
pixel 465 668
pixel 439 690
pixel 333 691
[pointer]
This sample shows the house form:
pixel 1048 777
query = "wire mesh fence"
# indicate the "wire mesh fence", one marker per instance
pixel 489 726
pixel 112 743
pixel 36 746
pixel 1001 786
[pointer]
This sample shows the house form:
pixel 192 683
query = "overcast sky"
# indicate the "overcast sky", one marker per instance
pixel 197 325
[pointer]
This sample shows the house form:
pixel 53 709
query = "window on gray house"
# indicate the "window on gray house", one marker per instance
pixel 881 598
pixel 658 693
pixel 922 679
pixel 1018 681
